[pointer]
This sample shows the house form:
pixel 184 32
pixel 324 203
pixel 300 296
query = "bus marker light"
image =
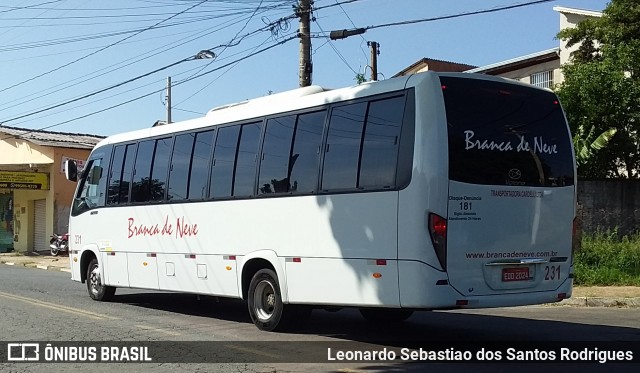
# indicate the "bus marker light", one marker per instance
pixel 75 260
pixel 297 260
pixel 562 295
pixel 381 262
pixel 228 268
pixel 462 302
pixel 145 264
pixel 190 256
pixel 229 257
pixel 442 282
pixel 377 275
pixel 151 255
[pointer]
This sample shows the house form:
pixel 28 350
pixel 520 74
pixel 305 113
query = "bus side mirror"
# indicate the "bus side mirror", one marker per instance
pixel 71 170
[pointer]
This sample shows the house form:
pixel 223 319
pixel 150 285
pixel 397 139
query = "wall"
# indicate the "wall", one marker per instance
pixel 64 189
pixel 610 204
pixel 18 152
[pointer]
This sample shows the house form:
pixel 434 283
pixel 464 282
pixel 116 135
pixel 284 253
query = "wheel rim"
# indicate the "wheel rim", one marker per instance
pixel 264 300
pixel 94 280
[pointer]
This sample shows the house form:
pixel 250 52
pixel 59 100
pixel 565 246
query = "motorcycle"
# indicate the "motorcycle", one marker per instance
pixel 59 243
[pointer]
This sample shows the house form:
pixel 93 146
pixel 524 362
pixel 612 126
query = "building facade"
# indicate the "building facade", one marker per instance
pixel 35 196
pixel 542 69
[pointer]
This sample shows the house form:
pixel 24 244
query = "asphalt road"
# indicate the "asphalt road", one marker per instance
pixel 46 306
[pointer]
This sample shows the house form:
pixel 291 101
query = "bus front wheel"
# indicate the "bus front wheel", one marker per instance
pixel 97 291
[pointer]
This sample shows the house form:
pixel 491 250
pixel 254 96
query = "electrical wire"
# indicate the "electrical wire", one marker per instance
pixel 492 10
pixel 99 50
pixel 150 93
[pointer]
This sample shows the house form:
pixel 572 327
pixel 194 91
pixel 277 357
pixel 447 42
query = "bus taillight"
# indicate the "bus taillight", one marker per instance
pixel 438 233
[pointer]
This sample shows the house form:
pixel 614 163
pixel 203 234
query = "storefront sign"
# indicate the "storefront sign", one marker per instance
pixel 24 180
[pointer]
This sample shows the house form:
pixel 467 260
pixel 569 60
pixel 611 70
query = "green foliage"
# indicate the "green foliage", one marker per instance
pixel 360 78
pixel 586 145
pixel 601 90
pixel 606 259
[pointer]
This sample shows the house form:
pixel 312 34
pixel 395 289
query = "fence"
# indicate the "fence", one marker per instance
pixel 609 204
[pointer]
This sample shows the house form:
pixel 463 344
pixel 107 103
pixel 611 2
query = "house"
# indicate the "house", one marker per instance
pixel 539 68
pixel 35 196
pixel 434 65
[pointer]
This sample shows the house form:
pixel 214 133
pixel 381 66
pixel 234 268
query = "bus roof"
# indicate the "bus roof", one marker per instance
pixel 287 101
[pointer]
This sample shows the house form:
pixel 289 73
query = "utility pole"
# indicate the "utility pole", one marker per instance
pixel 168 99
pixel 374 59
pixel 304 33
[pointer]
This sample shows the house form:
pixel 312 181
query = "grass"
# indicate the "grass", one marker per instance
pixel 605 259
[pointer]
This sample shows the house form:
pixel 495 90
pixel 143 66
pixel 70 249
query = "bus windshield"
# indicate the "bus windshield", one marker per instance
pixel 506 134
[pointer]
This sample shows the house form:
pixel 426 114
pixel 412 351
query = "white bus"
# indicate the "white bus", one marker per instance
pixel 430 191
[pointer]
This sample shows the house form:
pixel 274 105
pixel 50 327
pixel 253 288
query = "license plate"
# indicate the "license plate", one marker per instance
pixel 515 274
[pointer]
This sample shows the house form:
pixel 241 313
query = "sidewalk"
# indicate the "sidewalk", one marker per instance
pixel 42 260
pixel 597 296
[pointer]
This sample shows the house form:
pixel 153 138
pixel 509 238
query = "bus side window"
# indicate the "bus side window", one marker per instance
pixel 180 165
pixel 276 150
pixel 303 166
pixel 224 156
pixel 380 143
pixel 342 152
pixel 141 187
pixel 160 169
pixel 246 160
pixel 92 192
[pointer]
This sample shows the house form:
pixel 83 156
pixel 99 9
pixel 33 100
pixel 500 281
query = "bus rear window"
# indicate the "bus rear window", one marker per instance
pixel 506 134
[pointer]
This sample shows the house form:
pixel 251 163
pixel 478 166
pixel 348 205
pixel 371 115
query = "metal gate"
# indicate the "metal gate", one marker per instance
pixel 40 239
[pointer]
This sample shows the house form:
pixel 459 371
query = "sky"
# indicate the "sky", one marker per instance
pixel 100 67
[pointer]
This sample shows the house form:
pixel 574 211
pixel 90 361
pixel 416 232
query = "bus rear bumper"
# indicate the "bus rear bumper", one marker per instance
pixel 424 287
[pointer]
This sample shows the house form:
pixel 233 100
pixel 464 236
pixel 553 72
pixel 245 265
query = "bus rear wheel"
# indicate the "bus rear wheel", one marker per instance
pixel 385 314
pixel 97 291
pixel 266 308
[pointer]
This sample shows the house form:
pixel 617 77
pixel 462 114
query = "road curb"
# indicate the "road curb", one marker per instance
pixel 601 302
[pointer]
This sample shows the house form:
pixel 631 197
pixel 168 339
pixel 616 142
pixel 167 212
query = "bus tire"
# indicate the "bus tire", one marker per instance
pixel 385 314
pixel 96 290
pixel 265 302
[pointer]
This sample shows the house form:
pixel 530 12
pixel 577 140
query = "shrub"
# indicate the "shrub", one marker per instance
pixel 605 259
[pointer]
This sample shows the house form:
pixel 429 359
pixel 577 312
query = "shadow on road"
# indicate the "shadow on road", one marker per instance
pixel 425 326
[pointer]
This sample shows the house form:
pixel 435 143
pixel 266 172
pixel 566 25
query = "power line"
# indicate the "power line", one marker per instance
pixel 67 102
pixel 100 50
pixel 458 15
pixel 113 68
pixel 152 93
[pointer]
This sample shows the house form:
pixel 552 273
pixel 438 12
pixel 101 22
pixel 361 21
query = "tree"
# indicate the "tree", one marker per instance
pixel 601 90
pixel 586 146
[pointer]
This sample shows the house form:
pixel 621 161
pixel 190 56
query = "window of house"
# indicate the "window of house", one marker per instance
pixel 542 79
